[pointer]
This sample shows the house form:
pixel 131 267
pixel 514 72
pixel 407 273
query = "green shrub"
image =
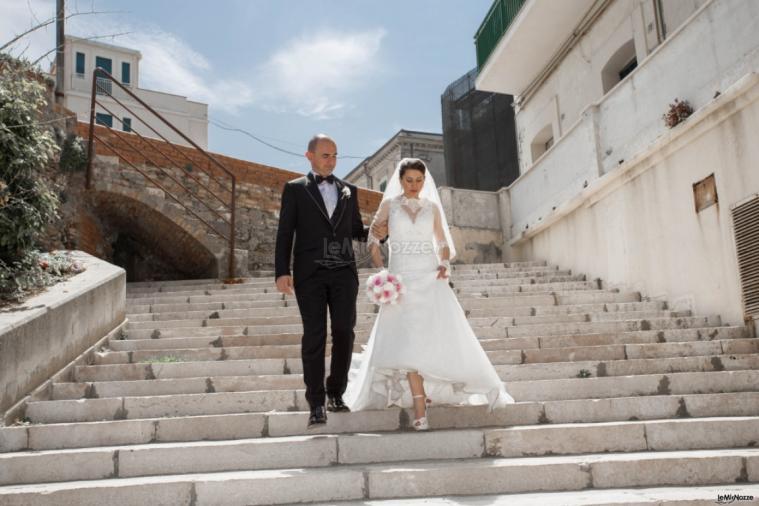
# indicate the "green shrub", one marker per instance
pixel 26 149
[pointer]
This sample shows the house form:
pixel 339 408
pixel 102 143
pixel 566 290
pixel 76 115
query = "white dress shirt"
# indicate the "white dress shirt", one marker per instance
pixel 329 195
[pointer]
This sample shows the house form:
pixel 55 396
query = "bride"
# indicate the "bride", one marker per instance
pixel 421 349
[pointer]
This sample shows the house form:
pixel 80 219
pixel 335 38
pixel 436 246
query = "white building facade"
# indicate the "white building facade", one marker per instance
pixel 83 56
pixel 373 172
pixel 605 187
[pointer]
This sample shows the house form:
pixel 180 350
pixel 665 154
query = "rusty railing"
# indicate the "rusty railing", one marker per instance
pixel 99 77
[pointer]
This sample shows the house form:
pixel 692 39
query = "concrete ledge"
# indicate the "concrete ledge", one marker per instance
pixel 51 329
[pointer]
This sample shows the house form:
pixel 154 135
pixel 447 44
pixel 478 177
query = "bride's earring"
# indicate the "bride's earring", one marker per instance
pixel 421 423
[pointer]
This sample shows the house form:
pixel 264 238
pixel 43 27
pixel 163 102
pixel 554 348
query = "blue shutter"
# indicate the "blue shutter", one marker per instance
pixel 126 124
pixel 104 119
pixel 125 73
pixel 79 63
pixel 104 63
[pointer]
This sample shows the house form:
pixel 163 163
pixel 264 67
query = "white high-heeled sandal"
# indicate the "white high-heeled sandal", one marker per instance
pixel 421 423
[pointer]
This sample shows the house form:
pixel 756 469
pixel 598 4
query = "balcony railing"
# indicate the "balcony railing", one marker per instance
pixel 497 21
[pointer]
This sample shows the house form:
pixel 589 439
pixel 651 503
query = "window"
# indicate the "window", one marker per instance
pixel 104 119
pixel 383 185
pixel 619 65
pixel 126 124
pixel 627 69
pixel 80 64
pixel 104 63
pixel 542 142
pixel 125 73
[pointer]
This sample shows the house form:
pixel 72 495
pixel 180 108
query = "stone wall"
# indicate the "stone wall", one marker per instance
pixel 258 187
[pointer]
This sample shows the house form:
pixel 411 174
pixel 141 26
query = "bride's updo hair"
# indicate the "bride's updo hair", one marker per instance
pixel 412 164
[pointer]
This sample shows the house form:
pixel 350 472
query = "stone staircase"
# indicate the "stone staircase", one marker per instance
pixel 198 400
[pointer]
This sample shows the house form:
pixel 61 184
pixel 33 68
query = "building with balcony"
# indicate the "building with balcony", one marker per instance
pixel 374 171
pixel 605 186
pixel 83 56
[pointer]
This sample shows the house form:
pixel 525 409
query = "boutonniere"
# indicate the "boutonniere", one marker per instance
pixel 346 192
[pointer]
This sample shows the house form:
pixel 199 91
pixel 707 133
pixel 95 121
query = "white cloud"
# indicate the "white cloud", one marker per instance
pixel 168 63
pixel 314 75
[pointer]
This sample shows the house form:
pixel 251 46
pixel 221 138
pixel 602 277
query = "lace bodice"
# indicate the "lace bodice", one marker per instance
pixel 415 232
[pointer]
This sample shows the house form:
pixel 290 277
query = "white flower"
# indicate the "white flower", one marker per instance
pixel 346 192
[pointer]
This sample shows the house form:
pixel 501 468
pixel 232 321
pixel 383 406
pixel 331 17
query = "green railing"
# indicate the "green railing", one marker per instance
pixel 499 17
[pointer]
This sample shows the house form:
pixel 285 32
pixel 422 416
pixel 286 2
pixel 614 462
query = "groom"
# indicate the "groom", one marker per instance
pixel 322 212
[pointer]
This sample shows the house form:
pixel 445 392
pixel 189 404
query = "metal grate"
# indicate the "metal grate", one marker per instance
pixel 746 224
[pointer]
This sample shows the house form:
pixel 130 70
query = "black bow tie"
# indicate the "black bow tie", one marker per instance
pixel 320 179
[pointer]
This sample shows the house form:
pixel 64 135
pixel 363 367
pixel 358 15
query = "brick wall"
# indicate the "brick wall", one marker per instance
pixel 259 188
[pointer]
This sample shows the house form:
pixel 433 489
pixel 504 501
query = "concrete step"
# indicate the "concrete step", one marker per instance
pixel 659 496
pixel 562 286
pixel 628 367
pixel 161 312
pixel 250 347
pixel 247 283
pixel 225 426
pixel 613 326
pixel 422 479
pixel 244 317
pixel 495 282
pixel 372 448
pixel 290 399
pixel 509 373
pixel 258 286
pixel 731 340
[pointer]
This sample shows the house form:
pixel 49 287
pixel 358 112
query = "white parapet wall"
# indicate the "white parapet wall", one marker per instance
pixel 50 330
pixel 475 222
pixel 637 227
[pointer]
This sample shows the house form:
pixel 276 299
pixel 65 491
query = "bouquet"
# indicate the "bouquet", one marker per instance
pixel 384 288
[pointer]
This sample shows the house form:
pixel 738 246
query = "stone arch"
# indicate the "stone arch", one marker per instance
pixel 152 239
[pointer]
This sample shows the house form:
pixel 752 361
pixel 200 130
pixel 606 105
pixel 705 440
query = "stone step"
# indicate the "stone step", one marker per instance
pixel 509 373
pixel 486 327
pixel 494 286
pixel 198 369
pixel 539 302
pixel 289 399
pixel 243 347
pixel 456 277
pixel 229 297
pixel 237 425
pixel 564 286
pixel 547 298
pixel 160 312
pixel 614 326
pixel 511 281
pixel 731 340
pixel 372 448
pixel 243 317
pixel 658 496
pixel 420 479
pixel 627 367
pixel 249 283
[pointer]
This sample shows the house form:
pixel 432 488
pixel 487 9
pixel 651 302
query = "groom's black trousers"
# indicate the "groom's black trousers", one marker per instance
pixel 337 290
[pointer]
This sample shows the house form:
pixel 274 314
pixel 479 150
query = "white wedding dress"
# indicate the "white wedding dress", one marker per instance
pixel 426 331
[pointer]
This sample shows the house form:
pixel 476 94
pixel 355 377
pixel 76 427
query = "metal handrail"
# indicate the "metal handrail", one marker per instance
pixel 98 91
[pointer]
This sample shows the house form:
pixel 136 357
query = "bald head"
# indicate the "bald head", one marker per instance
pixel 322 153
pixel 316 139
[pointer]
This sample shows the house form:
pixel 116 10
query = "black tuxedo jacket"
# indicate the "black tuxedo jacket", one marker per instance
pixel 319 240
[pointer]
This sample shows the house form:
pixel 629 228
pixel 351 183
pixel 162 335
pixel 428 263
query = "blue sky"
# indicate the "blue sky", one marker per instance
pixel 285 69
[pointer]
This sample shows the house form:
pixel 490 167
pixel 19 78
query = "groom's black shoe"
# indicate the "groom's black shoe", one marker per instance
pixel 318 417
pixel 335 404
